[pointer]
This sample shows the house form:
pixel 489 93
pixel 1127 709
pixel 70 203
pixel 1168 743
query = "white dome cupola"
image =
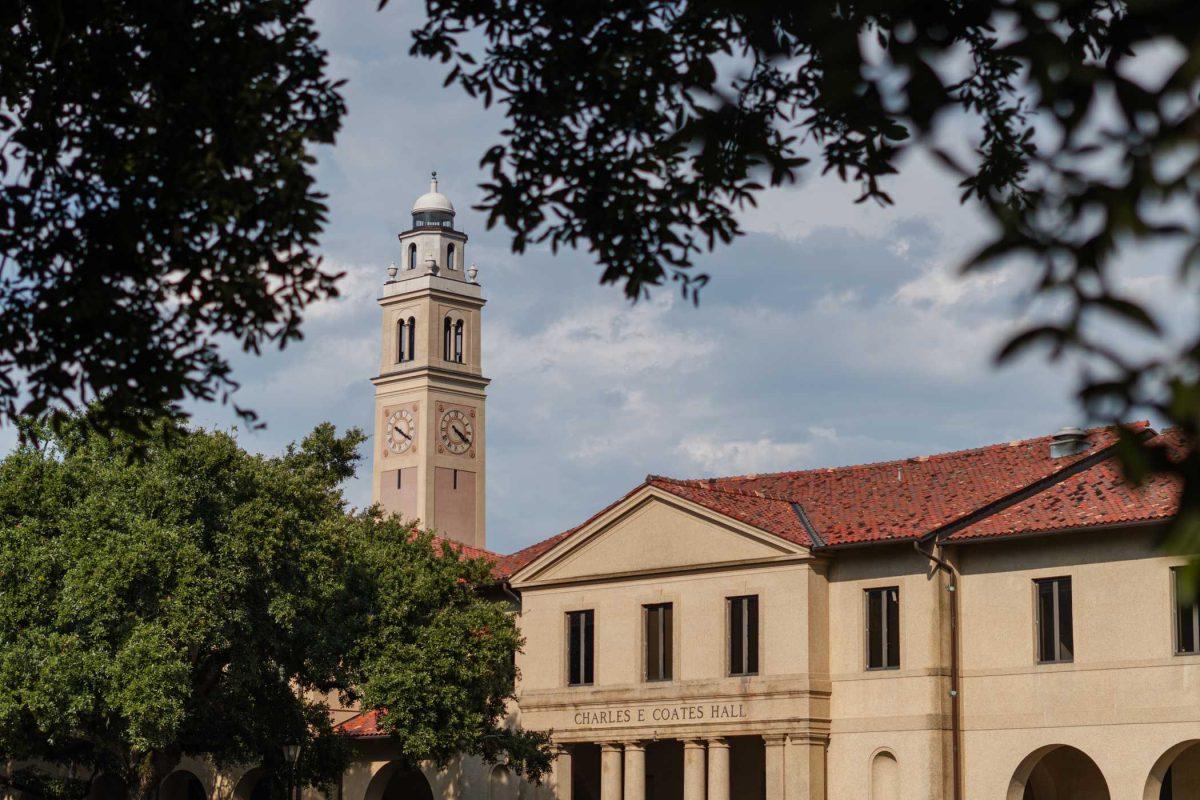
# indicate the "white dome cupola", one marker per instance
pixel 432 246
pixel 433 209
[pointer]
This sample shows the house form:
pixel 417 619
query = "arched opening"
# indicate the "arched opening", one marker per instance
pixel 450 256
pixel 446 339
pixel 402 341
pixel 885 776
pixel 412 338
pixel 458 341
pixel 501 784
pixel 182 785
pixel 256 784
pixel 412 256
pixel 1057 772
pixel 399 782
pixel 1176 774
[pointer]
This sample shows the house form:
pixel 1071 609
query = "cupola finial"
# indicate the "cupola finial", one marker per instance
pixel 433 181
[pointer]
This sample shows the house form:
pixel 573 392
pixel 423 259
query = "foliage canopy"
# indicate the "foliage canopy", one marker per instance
pixel 157 194
pixel 204 601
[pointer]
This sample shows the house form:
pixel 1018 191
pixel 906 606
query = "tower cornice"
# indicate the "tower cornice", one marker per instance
pixel 437 373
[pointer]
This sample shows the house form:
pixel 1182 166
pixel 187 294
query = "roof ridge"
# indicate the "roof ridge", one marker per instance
pixel 698 484
pixel 1136 425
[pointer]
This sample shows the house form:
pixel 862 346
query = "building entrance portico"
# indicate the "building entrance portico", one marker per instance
pixel 714 768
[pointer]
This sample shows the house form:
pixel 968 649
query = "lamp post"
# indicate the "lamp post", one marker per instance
pixel 292 753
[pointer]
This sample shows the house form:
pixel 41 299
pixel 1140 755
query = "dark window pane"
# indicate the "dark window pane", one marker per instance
pixel 874 630
pixel 893 627
pixel 588 630
pixel 736 636
pixel 653 643
pixel 668 647
pixel 574 636
pixel 752 635
pixel 1045 620
pixel 1187 634
pixel 579 647
pixel 1066 640
pixel 1187 617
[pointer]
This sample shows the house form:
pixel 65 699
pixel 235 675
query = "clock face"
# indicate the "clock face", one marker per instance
pixel 457 431
pixel 401 428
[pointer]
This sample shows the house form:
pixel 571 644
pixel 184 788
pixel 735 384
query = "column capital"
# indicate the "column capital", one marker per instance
pixel 633 744
pixel 720 742
pixel 610 747
pixel 774 739
pixel 693 744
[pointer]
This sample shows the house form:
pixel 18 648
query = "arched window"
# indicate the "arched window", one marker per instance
pixel 401 341
pixel 412 256
pixel 450 256
pixel 458 341
pixel 446 339
pixel 412 338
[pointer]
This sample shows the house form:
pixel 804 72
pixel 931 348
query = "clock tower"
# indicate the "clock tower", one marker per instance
pixel 429 394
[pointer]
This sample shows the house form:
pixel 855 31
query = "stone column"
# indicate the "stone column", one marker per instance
pixel 562 774
pixel 775 781
pixel 635 771
pixel 718 769
pixel 693 769
pixel 610 771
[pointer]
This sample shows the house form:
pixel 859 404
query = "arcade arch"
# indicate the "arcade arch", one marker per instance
pixel 397 781
pixel 1176 774
pixel 1057 772
pixel 182 785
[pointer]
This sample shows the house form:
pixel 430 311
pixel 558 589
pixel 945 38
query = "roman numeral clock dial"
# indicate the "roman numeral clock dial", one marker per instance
pixel 456 431
pixel 400 429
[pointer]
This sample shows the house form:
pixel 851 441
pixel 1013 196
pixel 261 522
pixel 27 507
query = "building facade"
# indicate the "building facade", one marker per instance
pixel 998 623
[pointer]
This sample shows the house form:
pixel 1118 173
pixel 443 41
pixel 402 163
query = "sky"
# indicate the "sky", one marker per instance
pixel 831 334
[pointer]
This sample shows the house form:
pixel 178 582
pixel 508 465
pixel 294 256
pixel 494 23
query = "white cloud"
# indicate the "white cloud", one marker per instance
pixel 739 457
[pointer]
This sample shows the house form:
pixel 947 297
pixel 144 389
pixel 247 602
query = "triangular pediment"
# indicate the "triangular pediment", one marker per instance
pixel 650 532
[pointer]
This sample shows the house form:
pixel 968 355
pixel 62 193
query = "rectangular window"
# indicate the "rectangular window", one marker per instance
pixel 1187 618
pixel 743 635
pixel 883 628
pixel 580 633
pixel 1054 630
pixel 659 647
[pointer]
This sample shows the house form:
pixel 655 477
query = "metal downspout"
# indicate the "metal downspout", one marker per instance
pixel 955 693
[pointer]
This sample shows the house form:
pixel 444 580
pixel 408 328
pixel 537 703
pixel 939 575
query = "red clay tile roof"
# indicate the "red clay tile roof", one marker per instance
pixel 361 725
pixel 771 514
pixel 910 498
pixel 1095 497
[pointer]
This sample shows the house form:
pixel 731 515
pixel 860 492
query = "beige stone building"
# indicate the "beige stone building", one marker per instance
pixel 993 624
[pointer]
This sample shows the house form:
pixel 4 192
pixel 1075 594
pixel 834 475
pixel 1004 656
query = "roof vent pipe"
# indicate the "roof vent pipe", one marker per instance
pixel 1068 441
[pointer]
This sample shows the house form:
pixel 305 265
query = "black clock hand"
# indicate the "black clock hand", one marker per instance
pixel 402 433
pixel 460 434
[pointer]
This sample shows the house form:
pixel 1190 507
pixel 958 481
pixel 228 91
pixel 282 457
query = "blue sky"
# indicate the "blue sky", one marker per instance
pixel 833 333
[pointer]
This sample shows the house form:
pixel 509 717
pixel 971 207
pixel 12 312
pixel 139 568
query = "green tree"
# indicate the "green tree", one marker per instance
pixel 637 129
pixel 156 193
pixel 199 600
